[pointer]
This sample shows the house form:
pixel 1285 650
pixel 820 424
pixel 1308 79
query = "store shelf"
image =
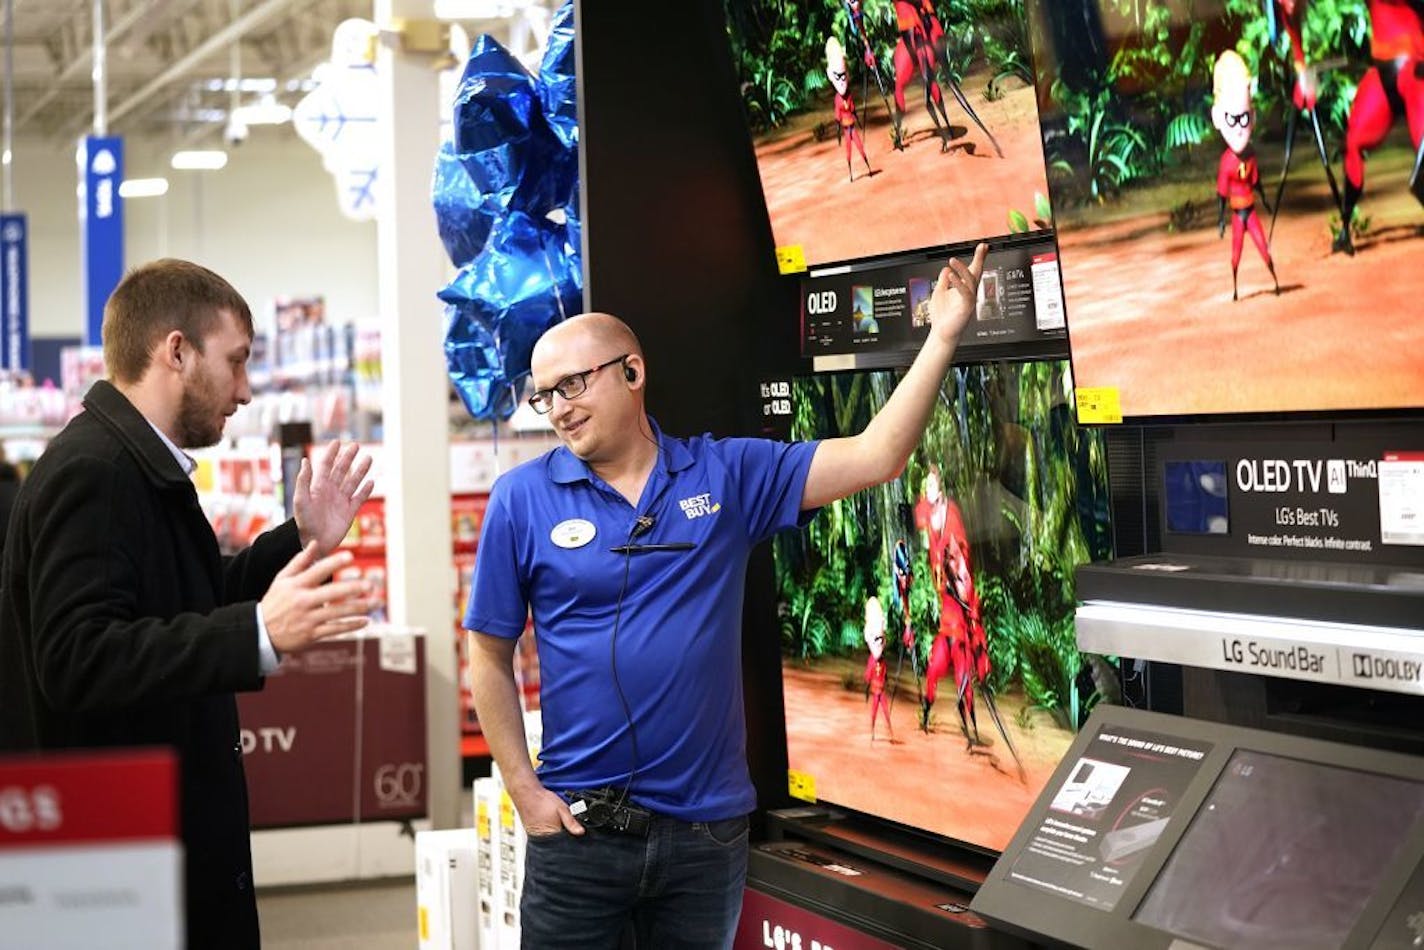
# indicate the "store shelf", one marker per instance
pixel 1370 657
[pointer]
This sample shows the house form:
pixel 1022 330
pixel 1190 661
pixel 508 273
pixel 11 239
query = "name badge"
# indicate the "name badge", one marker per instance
pixel 574 533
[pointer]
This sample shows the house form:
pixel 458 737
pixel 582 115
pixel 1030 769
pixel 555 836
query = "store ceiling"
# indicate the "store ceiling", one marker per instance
pixel 171 63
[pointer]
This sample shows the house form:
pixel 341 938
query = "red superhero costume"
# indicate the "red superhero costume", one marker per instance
pixel 919 30
pixel 1391 87
pixel 847 125
pixel 875 682
pixel 1237 180
pixel 1238 177
pixel 1394 85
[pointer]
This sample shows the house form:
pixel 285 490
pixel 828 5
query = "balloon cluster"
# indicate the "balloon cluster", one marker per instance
pixel 507 206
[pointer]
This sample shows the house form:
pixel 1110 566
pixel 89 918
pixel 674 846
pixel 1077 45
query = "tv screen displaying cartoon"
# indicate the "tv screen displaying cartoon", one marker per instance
pixel 929 664
pixel 1239 201
pixel 885 126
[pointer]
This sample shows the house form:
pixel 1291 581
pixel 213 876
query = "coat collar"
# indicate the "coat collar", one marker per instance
pixel 113 410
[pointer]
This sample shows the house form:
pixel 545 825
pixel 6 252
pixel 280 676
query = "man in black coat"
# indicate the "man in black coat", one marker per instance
pixel 120 623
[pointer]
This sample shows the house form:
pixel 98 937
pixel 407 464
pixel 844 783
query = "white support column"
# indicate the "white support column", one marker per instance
pixel 416 457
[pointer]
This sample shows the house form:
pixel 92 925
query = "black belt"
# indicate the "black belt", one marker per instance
pixel 608 808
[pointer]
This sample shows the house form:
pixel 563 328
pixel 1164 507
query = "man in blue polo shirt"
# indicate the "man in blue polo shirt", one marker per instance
pixel 630 548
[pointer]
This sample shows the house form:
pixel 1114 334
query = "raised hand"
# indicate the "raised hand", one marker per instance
pixel 301 608
pixel 955 295
pixel 326 501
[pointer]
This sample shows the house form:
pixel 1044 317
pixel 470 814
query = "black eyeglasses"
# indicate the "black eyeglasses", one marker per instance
pixel 571 386
pixel 1238 120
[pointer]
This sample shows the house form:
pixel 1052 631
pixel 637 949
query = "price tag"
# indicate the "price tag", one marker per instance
pixel 1098 404
pixel 791 259
pixel 802 785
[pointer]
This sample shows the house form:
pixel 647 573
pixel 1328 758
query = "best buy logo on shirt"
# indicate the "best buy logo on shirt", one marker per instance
pixel 699 505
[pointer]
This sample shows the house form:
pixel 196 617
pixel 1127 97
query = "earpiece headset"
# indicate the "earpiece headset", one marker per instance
pixel 629 373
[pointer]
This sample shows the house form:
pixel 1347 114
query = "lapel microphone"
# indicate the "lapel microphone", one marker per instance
pixel 641 526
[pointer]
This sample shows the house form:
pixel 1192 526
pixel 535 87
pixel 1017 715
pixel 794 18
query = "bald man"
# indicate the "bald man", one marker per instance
pixel 630 547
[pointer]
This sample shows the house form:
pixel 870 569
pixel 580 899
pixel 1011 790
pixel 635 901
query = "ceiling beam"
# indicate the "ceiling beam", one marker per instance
pixel 81 62
pixel 231 33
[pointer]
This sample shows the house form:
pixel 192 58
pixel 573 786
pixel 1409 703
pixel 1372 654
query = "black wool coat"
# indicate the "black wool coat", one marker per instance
pixel 120 625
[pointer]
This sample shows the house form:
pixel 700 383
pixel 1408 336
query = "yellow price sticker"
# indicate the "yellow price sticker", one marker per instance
pixel 791 259
pixel 424 923
pixel 1098 404
pixel 482 821
pixel 506 811
pixel 802 785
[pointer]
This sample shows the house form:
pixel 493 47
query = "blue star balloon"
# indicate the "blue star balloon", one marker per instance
pixel 512 222
pixel 462 215
pixel 558 88
pixel 516 288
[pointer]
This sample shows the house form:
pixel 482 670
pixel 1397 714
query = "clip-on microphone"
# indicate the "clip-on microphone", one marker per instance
pixel 641 526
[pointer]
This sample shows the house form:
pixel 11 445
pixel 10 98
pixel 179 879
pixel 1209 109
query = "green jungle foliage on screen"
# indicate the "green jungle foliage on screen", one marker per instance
pixel 1132 107
pixel 779 48
pixel 1032 487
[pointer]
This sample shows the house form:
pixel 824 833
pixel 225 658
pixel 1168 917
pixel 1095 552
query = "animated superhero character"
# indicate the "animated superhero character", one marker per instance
pixel 856 16
pixel 939 519
pixel 846 121
pixel 1238 178
pixel 920 51
pixel 915 56
pixel 904 575
pixel 1393 85
pixel 875 667
pixel 1303 98
pixel 960 648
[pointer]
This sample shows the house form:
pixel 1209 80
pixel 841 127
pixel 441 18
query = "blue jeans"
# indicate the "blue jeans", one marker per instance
pixel 680 887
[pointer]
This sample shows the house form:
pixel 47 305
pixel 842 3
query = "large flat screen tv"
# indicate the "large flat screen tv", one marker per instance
pixel 884 127
pixel 929 667
pixel 1237 190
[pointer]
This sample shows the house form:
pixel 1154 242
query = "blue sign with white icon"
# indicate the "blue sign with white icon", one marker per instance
pixel 101 226
pixel 14 292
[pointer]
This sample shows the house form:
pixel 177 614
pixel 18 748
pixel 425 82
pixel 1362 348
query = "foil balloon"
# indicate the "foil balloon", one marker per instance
pixel 495 106
pixel 472 360
pixel 462 215
pixel 518 286
pixel 558 89
pixel 512 221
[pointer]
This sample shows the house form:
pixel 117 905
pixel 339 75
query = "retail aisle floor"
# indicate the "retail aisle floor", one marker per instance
pixel 374 915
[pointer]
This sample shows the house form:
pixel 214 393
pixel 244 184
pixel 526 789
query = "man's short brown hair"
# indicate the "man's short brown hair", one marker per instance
pixel 154 300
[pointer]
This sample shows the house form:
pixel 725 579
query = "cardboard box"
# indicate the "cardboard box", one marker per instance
pixel 445 869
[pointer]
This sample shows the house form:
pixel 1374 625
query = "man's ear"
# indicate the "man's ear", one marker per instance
pixel 172 354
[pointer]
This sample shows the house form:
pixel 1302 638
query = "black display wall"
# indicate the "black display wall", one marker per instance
pixel 677 244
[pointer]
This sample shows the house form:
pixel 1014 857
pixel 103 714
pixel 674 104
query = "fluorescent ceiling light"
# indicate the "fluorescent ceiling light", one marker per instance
pixel 201 160
pixel 143 187
pixel 266 111
pixel 475 9
pixel 250 84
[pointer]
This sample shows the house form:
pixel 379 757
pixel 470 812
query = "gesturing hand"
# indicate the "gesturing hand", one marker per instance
pixel 326 502
pixel 955 295
pixel 301 607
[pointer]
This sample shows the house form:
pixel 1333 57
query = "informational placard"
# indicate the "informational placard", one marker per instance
pixel 1352 500
pixel 101 226
pixel 1114 805
pixel 881 315
pixel 14 292
pixel 89 852
pixel 1401 498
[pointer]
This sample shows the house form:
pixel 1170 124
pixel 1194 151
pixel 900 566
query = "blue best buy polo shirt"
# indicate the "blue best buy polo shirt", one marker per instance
pixel 546 544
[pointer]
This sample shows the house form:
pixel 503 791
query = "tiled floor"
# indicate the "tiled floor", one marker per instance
pixel 377 915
